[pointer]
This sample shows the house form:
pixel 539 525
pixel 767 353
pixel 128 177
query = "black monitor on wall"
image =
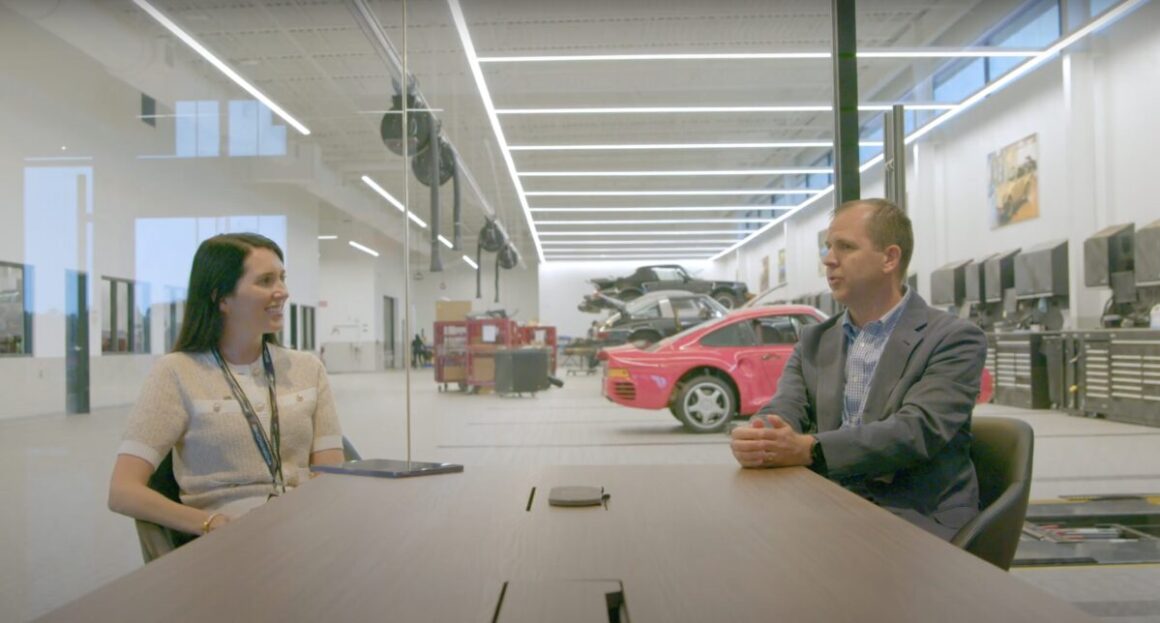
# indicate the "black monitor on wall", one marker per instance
pixel 974 278
pixel 1041 270
pixel 1147 255
pixel 1107 252
pixel 998 275
pixel 948 284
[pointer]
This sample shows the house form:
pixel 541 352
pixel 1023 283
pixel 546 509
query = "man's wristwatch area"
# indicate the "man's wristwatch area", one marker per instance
pixel 817 458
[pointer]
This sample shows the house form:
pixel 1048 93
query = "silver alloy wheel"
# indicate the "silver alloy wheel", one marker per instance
pixel 706 405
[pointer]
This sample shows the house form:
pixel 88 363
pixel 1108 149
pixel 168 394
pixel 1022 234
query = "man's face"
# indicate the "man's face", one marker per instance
pixel 854 267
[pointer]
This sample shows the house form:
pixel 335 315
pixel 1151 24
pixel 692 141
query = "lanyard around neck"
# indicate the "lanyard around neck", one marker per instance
pixel 271 453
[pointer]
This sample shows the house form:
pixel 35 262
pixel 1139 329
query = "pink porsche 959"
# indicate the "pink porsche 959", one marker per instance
pixel 716 371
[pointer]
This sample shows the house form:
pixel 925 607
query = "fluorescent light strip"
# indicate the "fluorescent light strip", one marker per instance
pixel 382 192
pixel 471 262
pixel 650 110
pixel 552 243
pixel 643 146
pixel 489 106
pixel 663 221
pixel 364 249
pixel 1104 20
pixel 391 200
pixel 672 193
pixel 723 172
pixel 635 250
pixel 613 258
pixel 446 242
pixel 718 232
pixel 885 53
pixel 328 237
pixel 220 65
pixel 418 221
pixel 736 208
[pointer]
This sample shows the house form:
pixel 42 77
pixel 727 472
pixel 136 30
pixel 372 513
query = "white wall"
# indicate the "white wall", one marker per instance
pixel 55 224
pixel 1094 113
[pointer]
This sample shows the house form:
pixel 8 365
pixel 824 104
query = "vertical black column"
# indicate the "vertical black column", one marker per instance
pixel 894 153
pixel 847 183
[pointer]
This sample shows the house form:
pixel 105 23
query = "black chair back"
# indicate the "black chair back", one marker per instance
pixel 1002 451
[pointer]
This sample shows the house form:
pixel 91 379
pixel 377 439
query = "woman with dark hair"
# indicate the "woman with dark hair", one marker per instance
pixel 243 417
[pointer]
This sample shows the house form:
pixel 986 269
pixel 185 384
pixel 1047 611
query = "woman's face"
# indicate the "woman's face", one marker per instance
pixel 255 307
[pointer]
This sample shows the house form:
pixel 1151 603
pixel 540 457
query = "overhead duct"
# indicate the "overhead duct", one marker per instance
pixel 507 258
pixel 434 175
pixel 491 239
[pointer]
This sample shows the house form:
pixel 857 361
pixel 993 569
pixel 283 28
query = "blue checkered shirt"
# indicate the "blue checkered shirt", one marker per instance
pixel 863 350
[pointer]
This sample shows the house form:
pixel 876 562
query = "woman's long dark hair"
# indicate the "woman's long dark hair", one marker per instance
pixel 218 265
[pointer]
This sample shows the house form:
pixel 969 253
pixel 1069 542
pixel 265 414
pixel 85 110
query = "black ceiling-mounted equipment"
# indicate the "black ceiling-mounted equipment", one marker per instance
pixel 492 238
pixel 418 123
pixel 421 164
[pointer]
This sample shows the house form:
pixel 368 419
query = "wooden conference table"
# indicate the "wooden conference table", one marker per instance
pixel 684 543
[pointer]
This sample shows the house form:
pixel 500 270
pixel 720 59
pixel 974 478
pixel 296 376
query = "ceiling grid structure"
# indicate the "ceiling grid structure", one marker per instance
pixel 655 120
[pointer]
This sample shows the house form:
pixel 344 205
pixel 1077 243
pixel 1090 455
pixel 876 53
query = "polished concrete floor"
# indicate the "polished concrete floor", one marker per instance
pixel 58 540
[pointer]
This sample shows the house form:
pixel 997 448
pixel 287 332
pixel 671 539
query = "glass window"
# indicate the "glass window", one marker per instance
pixel 689 310
pixel 669 274
pixel 776 330
pixel 125 316
pixel 958 81
pixel 15 322
pixel 647 311
pixel 735 334
pixel 1037 28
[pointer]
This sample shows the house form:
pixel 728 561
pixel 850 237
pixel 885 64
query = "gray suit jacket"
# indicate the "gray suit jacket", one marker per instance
pixel 912 453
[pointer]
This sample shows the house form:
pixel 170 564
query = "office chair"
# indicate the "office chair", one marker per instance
pixel 157 540
pixel 1001 450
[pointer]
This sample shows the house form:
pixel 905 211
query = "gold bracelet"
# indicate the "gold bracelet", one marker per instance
pixel 208 520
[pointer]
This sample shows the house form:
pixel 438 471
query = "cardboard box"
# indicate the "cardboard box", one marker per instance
pixel 454 374
pixel 451 310
pixel 483 369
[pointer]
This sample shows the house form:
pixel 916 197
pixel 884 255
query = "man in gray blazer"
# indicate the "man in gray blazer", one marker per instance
pixel 878 398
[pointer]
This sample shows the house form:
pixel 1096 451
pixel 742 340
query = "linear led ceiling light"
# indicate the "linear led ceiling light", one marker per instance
pixel 978 52
pixel 662 221
pixel 642 146
pixel 651 110
pixel 645 256
pixel 668 209
pixel 607 249
pixel 550 243
pixel 722 172
pixel 328 237
pixel 446 242
pixel 364 249
pixel 471 262
pixel 672 193
pixel 701 232
pixel 489 106
pixel 391 200
pixel 1104 20
pixel 188 39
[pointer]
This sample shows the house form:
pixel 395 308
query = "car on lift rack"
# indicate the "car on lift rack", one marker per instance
pixel 656 315
pixel 730 294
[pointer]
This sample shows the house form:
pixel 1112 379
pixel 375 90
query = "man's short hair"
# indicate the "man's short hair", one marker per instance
pixel 887 225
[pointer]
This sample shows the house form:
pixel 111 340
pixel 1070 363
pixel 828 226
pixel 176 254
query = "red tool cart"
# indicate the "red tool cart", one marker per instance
pixel 543 337
pixel 484 336
pixel 451 353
